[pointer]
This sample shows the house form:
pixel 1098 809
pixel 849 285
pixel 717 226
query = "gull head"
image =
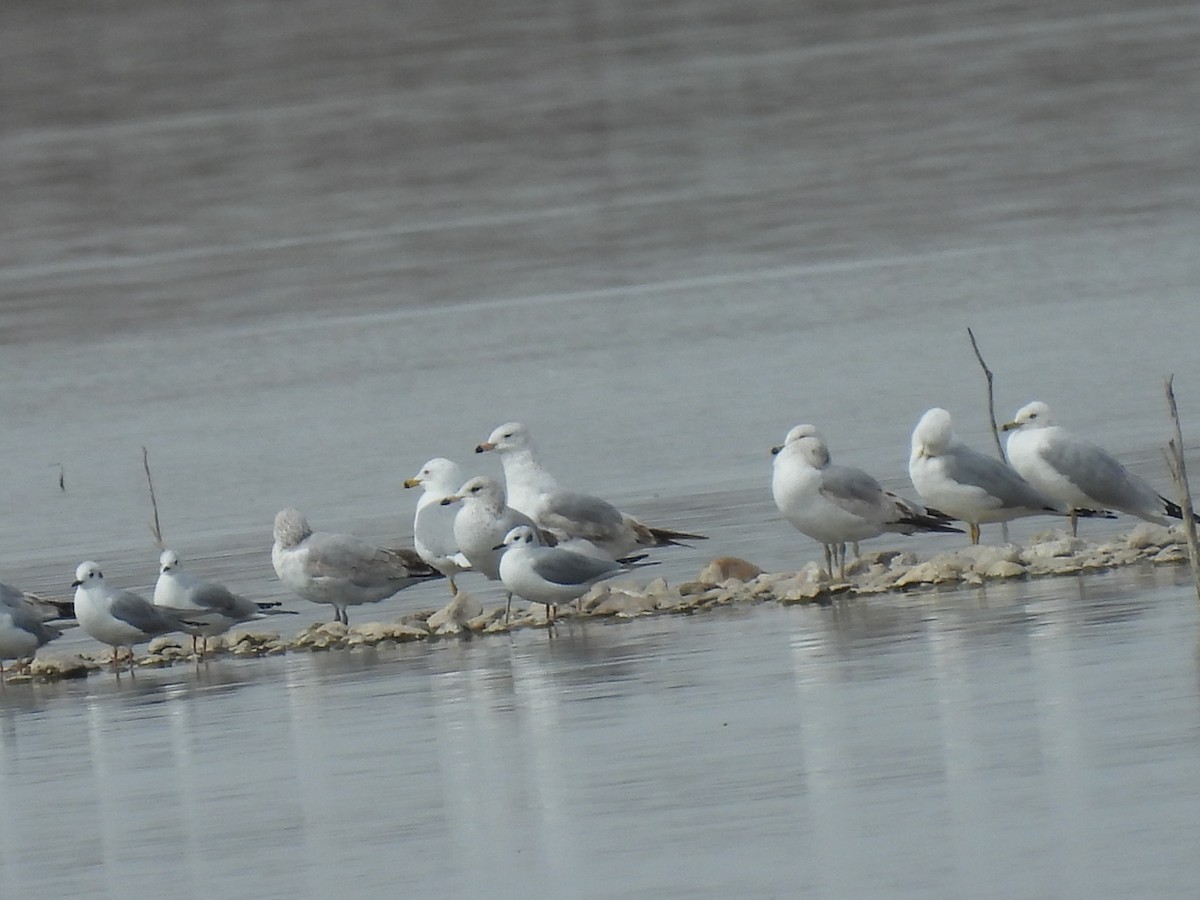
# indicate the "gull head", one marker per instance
pixel 933 434
pixel 807 441
pixel 290 527
pixel 521 536
pixel 168 560
pixel 483 489
pixel 439 474
pixel 1031 415
pixel 87 574
pixel 509 436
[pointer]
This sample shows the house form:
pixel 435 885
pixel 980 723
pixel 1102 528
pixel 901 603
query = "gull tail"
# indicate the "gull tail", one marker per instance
pixel 417 567
pixel 920 518
pixel 1175 511
pixel 51 609
pixel 1096 514
pixel 930 523
pixel 272 608
pixel 666 537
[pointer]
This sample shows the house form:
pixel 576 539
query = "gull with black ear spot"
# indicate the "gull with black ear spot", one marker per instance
pixel 221 609
pixel 1077 473
pixel 118 617
pixel 551 575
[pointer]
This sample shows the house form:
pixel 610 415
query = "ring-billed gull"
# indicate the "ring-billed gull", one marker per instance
pixel 568 514
pixel 181 591
pixel 481 521
pixel 118 617
pixel 338 569
pixel 433 523
pixel 549 575
pixel 1078 473
pixel 966 484
pixel 835 504
pixel 24 626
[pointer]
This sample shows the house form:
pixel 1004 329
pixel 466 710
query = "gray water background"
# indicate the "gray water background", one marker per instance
pixel 295 250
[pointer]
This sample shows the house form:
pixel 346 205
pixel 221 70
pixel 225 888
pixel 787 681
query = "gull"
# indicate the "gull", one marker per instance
pixel 965 483
pixel 338 569
pixel 24 626
pixel 118 617
pixel 550 575
pixel 480 524
pixel 567 514
pixel 433 524
pixel 1078 473
pixel 181 591
pixel 835 504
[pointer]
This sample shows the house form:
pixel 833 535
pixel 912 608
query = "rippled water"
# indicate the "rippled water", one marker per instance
pixel 296 255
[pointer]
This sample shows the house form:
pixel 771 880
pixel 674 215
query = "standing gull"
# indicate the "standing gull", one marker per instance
pixel 835 504
pixel 1078 473
pixel 567 514
pixel 24 626
pixel 178 590
pixel 338 569
pixel 480 524
pixel 549 575
pixel 117 617
pixel 433 524
pixel 964 483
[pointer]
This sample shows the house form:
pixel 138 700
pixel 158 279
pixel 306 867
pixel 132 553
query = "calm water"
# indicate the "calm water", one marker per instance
pixel 295 255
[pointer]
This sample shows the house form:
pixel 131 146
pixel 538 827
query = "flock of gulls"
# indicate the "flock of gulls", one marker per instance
pixel 549 545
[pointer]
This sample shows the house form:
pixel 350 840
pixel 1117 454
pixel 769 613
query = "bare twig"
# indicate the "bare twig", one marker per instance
pixel 157 528
pixel 991 398
pixel 1179 474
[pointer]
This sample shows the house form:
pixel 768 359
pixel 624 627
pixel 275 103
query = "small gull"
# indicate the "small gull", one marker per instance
pixel 24 625
pixel 567 514
pixel 835 504
pixel 433 524
pixel 966 484
pixel 118 617
pixel 1078 473
pixel 550 575
pixel 181 591
pixel 338 569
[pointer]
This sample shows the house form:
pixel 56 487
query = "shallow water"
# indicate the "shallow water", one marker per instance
pixel 294 256
pixel 1027 740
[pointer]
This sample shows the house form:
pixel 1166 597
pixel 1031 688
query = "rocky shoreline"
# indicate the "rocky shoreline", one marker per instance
pixel 723 582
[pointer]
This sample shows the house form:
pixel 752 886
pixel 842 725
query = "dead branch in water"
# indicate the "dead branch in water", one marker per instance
pixel 991 395
pixel 156 529
pixel 991 398
pixel 1179 475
